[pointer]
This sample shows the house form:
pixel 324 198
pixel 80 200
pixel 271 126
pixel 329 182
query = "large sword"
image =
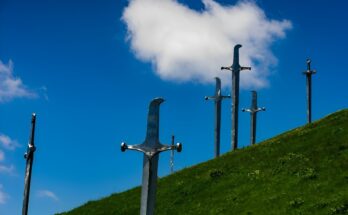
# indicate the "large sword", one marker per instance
pixel 235 68
pixel 29 156
pixel 309 74
pixel 217 98
pixel 151 148
pixel 253 111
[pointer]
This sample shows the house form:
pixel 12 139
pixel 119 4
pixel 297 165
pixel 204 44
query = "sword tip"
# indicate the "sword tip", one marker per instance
pixel 157 100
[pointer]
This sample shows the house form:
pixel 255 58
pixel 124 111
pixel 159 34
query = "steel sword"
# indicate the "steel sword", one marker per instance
pixel 235 68
pixel 217 99
pixel 253 111
pixel 151 148
pixel 29 156
pixel 309 74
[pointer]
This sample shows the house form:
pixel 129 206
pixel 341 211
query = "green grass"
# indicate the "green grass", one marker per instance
pixel 303 171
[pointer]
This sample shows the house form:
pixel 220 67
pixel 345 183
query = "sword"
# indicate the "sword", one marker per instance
pixel 29 156
pixel 151 148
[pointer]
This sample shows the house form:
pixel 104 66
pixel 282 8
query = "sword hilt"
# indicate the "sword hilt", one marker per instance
pixel 309 71
pixel 152 152
pixel 240 68
pixel 217 96
pixel 152 146
pixel 30 150
pixel 253 110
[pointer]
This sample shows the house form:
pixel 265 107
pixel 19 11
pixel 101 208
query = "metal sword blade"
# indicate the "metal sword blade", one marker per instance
pixel 152 133
pixel 149 185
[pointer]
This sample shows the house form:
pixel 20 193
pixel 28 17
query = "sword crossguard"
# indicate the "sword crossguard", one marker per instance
pixel 226 68
pixel 150 152
pixel 240 68
pixel 151 146
pixel 245 68
pixel 309 72
pixel 209 97
pixel 253 110
pixel 226 97
pixel 246 110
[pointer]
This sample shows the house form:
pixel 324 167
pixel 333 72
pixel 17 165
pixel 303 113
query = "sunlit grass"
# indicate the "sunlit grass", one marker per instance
pixel 303 171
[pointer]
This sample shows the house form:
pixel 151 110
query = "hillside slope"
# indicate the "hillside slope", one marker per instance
pixel 303 171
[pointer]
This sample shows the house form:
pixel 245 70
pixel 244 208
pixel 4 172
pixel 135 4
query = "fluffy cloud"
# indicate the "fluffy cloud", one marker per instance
pixel 8 143
pixel 10 86
pixel 47 194
pixel 3 196
pixel 7 169
pixel 189 45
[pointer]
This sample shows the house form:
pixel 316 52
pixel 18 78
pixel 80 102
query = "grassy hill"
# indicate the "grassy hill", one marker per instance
pixel 303 171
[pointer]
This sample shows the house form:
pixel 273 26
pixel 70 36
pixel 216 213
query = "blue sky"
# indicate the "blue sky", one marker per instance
pixel 90 82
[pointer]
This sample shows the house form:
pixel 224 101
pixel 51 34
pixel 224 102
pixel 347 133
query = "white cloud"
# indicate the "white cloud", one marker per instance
pixel 8 143
pixel 3 196
pixel 2 155
pixel 7 169
pixel 189 45
pixel 44 90
pixel 47 194
pixel 10 86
